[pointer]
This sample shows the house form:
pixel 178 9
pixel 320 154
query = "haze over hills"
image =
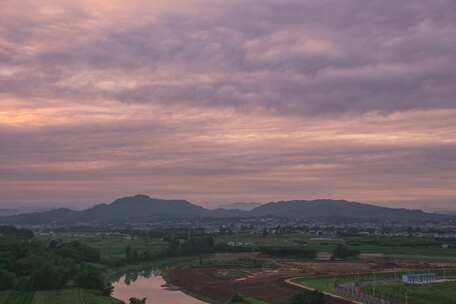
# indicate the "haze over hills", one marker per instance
pixel 241 206
pixel 20 210
pixel 142 208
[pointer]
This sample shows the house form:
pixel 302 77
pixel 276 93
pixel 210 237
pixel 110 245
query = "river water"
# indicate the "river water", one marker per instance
pixel 152 286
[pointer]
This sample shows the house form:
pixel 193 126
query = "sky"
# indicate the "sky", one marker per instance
pixel 228 101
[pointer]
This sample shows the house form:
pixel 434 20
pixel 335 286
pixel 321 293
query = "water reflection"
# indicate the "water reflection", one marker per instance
pixel 149 284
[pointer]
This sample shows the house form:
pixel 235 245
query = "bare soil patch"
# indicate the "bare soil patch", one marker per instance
pixel 269 284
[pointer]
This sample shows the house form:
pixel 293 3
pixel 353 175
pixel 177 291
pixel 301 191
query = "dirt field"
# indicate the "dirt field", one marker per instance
pixel 264 284
pixel 268 284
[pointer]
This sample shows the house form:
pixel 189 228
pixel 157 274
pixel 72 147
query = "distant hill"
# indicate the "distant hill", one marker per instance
pixel 136 208
pixel 142 208
pixel 341 209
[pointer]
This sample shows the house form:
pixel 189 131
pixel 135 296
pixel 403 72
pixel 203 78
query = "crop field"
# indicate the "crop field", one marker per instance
pixel 71 296
pixel 438 293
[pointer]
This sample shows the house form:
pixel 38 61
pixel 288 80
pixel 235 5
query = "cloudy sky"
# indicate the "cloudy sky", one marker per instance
pixel 228 100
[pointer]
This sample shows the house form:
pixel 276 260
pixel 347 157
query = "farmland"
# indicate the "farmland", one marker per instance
pixel 215 266
pixel 328 283
pixel 388 246
pixel 438 293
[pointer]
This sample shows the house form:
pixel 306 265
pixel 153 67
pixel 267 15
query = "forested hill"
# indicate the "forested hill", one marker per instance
pixel 142 208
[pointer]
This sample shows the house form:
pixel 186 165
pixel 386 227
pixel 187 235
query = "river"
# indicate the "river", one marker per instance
pixel 150 285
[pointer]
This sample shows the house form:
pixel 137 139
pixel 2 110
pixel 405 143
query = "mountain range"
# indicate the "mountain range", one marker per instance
pixel 142 208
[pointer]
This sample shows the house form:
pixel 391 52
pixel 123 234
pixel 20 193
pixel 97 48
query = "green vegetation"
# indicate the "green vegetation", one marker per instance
pixel 290 252
pixel 344 252
pixel 13 232
pixel 324 283
pixel 437 293
pixel 36 271
pixel 28 264
pixel 314 297
pixel 242 262
pixel 113 250
pixel 390 246
pixel 403 246
pixel 240 299
pixel 67 296
pixel 193 245
pixel 328 283
pixel 46 270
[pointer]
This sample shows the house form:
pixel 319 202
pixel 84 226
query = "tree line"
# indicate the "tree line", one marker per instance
pixel 27 263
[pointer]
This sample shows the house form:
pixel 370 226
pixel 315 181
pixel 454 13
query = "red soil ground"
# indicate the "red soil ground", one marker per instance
pixel 268 284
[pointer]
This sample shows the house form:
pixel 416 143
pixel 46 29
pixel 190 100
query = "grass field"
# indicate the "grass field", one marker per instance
pixel 439 293
pixel 328 283
pixel 408 251
pixel 70 296
pixel 402 246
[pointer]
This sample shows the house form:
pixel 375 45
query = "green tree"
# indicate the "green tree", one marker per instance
pixel 91 278
pixel 8 280
pixel 48 277
pixel 131 254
